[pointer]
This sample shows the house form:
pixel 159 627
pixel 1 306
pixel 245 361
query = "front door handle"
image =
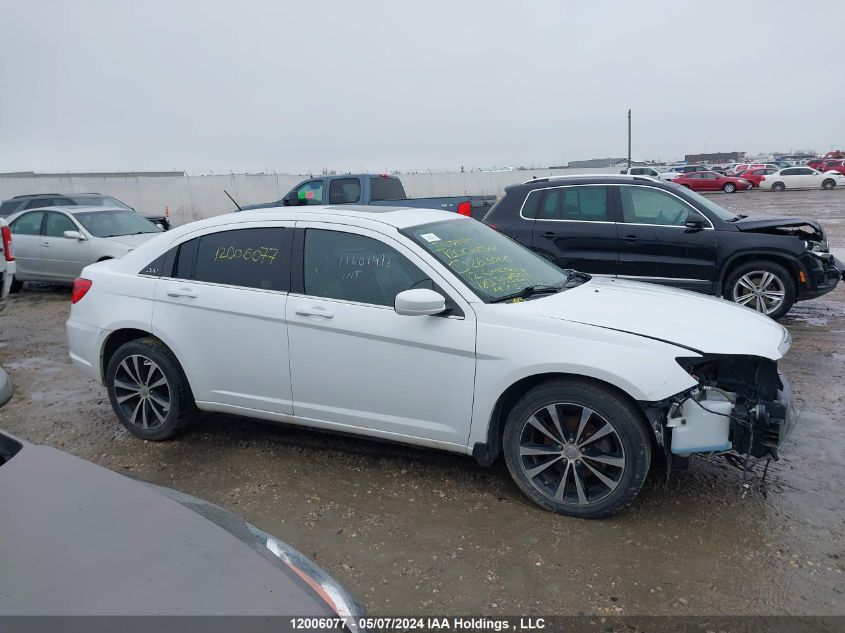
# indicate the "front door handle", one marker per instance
pixel 316 310
pixel 548 235
pixel 630 238
pixel 182 292
pixel 45 244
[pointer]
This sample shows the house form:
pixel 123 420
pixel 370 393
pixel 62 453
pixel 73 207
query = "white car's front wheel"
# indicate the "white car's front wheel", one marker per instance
pixel 828 183
pixel 577 448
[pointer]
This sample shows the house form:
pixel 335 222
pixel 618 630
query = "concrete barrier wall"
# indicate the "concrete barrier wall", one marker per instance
pixel 190 198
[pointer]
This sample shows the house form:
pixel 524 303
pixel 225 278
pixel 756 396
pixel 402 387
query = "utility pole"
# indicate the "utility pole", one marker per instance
pixel 629 138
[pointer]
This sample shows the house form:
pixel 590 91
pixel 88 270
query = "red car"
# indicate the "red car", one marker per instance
pixel 711 181
pixel 816 163
pixel 833 165
pixel 755 176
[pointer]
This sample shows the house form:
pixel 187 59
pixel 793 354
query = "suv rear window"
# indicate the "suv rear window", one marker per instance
pixel 585 204
pixel 386 189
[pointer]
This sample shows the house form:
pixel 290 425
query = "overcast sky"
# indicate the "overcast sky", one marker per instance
pixel 287 86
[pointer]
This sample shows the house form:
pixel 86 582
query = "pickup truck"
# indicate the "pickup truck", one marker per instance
pixel 369 189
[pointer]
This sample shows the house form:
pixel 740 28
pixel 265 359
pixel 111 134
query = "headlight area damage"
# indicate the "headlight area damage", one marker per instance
pixel 741 407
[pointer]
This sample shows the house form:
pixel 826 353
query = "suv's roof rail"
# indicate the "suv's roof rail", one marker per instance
pixel 592 176
pixel 35 195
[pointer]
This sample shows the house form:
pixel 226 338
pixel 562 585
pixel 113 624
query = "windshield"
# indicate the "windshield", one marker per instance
pixel 715 209
pixel 491 264
pixel 100 201
pixel 113 223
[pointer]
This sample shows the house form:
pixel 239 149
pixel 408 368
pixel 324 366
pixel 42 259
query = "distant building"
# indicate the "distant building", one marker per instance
pixel 595 162
pixel 717 157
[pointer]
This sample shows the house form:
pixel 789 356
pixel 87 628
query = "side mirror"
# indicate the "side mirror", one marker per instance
pixel 291 200
pixel 419 302
pixel 695 222
pixel 74 235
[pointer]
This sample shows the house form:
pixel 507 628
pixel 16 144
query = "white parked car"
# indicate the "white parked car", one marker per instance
pixel 661 173
pixel 7 259
pixel 801 178
pixel 56 243
pixel 429 328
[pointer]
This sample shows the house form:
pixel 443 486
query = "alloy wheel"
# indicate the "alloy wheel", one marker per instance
pixel 142 391
pixel 760 289
pixel 571 454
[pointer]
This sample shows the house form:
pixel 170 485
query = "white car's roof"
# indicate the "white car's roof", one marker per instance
pixel 397 217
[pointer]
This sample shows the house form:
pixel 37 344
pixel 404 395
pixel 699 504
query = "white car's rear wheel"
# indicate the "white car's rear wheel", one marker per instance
pixel 149 391
pixel 778 186
pixel 577 448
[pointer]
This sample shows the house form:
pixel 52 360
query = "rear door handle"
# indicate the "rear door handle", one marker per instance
pixel 182 292
pixel 317 310
pixel 45 244
pixel 548 235
pixel 630 238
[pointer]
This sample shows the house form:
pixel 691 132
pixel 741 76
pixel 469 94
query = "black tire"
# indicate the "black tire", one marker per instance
pixel 151 360
pixel 785 280
pixel 828 183
pixel 628 440
pixel 729 187
pixel 16 285
pixel 778 186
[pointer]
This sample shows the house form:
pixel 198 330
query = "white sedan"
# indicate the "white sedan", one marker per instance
pixel 56 243
pixel 426 327
pixel 801 178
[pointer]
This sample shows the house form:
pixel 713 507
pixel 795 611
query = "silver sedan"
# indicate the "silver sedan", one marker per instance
pixel 56 243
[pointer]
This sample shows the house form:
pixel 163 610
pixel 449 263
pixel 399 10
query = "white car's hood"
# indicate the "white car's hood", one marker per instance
pixel 688 319
pixel 131 240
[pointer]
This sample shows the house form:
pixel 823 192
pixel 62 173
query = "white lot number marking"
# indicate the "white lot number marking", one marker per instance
pixel 430 237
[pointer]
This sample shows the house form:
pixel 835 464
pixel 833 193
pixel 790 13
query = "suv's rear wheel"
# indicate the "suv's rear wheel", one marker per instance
pixel 148 390
pixel 577 448
pixel 16 285
pixel 763 286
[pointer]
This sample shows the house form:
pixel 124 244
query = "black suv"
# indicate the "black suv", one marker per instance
pixel 644 229
pixel 39 200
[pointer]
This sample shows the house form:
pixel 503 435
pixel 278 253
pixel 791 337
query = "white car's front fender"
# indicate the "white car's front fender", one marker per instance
pixel 645 369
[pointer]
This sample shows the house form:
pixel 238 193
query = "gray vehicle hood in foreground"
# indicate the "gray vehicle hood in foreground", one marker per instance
pixel 78 539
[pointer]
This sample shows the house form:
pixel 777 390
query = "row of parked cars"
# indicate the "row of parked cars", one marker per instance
pixel 744 176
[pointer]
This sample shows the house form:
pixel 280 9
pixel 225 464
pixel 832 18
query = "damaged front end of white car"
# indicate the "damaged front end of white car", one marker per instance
pixel 742 408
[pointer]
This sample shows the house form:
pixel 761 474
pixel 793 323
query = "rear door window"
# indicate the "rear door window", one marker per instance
pixel 583 204
pixel 344 191
pixel 250 258
pixel 28 224
pixel 384 188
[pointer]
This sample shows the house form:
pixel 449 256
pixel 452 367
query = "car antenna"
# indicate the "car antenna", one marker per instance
pixel 233 200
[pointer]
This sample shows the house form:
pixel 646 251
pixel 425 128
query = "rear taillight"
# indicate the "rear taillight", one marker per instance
pixel 762 178
pixel 465 208
pixel 81 286
pixel 8 251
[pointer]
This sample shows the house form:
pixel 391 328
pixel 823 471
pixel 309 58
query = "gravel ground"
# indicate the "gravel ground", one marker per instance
pixel 413 531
